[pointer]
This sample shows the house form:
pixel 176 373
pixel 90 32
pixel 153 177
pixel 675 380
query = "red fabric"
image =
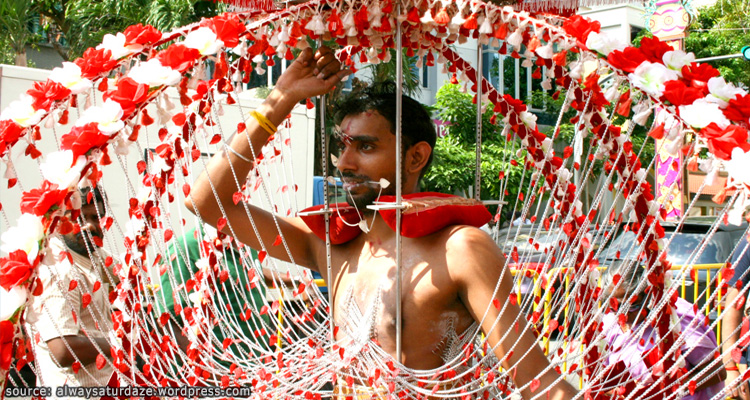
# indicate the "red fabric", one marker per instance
pixel 432 219
pixel 417 222
pixel 340 231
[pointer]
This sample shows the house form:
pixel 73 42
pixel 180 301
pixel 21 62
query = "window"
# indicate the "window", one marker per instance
pixel 508 76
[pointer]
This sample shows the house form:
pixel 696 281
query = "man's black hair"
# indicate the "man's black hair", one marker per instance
pixel 416 123
pixel 97 196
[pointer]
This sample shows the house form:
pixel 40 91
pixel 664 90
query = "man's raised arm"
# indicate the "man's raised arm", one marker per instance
pixel 478 265
pixel 310 75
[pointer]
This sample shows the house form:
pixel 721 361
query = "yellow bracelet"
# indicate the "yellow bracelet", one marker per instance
pixel 264 122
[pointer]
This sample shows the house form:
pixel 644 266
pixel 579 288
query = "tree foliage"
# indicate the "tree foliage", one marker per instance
pixel 15 17
pixel 72 26
pixel 454 162
pixel 722 29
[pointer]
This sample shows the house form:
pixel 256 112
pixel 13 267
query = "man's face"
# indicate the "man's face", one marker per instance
pixel 78 241
pixel 367 149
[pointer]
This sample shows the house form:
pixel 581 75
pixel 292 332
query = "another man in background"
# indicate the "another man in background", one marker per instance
pixel 69 322
pixel 629 343
pixel 238 292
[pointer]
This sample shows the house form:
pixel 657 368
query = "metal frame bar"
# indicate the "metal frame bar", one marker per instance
pixel 478 166
pixel 399 146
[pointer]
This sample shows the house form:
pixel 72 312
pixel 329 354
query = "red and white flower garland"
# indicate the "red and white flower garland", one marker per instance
pixel 691 91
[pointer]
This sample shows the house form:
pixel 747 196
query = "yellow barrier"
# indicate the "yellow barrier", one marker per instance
pixel 711 270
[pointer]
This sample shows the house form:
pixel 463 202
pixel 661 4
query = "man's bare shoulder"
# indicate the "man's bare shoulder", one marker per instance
pixel 468 246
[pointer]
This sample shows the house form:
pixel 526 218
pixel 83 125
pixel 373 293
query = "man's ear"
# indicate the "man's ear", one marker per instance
pixel 417 156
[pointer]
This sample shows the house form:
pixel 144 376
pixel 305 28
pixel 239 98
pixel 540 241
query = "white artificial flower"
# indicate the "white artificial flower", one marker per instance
pixel 737 167
pixel 58 168
pixel 202 264
pixel 528 119
pixel 676 59
pixel 486 27
pixel 642 117
pixel 108 117
pixel 22 112
pixel 133 227
pixel 70 77
pixel 515 39
pixel 25 235
pixel 153 74
pixel 547 147
pixel 702 112
pixel 204 40
pixel 316 25
pixel 116 45
pixel 159 165
pixel 240 49
pixel 612 93
pixel 650 78
pixel 722 92
pixel 427 18
pixel 735 213
pixel 545 51
pixel 11 301
pixel 196 297
pixel 604 43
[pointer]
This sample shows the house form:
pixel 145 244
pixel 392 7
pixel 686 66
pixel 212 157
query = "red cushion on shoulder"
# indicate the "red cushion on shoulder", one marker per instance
pixel 429 212
pixel 340 231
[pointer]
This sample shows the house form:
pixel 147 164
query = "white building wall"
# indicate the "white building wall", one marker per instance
pixel 121 182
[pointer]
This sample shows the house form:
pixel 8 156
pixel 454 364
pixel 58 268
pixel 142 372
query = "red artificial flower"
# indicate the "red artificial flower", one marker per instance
pixel 39 201
pixel 81 139
pixel 591 84
pixel 738 109
pixel 95 62
pixel 678 94
pixel 47 92
pixel 139 34
pixel 7 334
pixel 10 132
pixel 335 26
pixel 721 142
pixel 362 19
pixel 654 49
pixel 698 75
pixel 627 60
pixel 515 104
pixel 15 269
pixel 580 27
pixel 178 57
pixel 129 94
pixel 227 27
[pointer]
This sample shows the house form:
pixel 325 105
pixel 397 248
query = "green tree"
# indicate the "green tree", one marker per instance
pixel 15 18
pixel 455 153
pixel 721 29
pixel 72 26
pixel 383 72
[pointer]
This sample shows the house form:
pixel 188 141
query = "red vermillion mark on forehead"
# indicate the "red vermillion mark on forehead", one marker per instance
pixel 343 137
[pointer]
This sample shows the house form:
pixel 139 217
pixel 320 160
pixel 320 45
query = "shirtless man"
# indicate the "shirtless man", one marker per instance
pixel 451 273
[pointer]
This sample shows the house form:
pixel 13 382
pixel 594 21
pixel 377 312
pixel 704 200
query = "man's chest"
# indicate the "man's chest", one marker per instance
pixel 366 305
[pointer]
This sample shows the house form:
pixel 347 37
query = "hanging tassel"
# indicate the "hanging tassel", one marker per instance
pixel 249 5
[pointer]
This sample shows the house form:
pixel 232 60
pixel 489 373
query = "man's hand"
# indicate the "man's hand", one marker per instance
pixel 739 391
pixel 311 75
